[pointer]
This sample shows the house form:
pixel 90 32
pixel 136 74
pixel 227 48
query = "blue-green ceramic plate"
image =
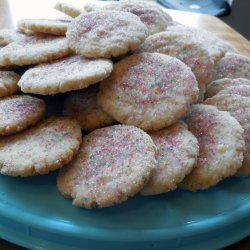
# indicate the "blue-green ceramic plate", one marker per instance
pixel 35 215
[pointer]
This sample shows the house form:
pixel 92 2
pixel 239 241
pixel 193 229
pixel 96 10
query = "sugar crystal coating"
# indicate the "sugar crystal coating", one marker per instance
pixel 148 90
pixel 176 153
pixel 34 49
pixel 150 14
pixel 216 86
pixel 239 107
pixel 113 163
pixel 242 90
pixel 232 66
pixel 41 149
pixel 82 105
pixel 18 112
pixel 217 48
pixel 221 145
pixel 190 51
pixel 105 33
pixel 70 73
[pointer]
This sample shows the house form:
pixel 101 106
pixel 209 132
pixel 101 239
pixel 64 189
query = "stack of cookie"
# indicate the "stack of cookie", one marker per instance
pixel 129 63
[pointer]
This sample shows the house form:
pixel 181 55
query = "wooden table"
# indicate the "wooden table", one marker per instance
pixel 13 10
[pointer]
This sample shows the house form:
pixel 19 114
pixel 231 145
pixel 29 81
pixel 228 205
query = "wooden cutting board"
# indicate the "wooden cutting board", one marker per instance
pixel 13 10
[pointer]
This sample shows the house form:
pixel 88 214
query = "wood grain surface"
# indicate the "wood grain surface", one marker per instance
pixel 13 10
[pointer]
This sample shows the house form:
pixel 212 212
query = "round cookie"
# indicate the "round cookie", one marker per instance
pixel 221 145
pixel 47 26
pixel 8 36
pixel 103 174
pixel 18 112
pixel 239 107
pixel 215 46
pixel 70 73
pixel 105 33
pixel 176 153
pixel 150 14
pixel 148 90
pixel 216 86
pixel 68 9
pixel 194 54
pixel 242 90
pixel 82 106
pixel 8 83
pixel 41 149
pixel 34 49
pixel 232 66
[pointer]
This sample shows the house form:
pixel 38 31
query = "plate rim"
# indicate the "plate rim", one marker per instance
pixel 196 228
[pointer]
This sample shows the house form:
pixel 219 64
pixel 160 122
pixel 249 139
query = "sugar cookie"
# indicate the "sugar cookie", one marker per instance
pixel 82 106
pixel 148 90
pixel 41 149
pixel 70 73
pixel 113 163
pixel 176 153
pixel 105 33
pixel 221 145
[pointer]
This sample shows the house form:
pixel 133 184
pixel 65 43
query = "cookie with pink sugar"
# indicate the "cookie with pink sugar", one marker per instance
pixel 34 49
pixel 63 75
pixel 19 112
pixel 150 14
pixel 82 106
pixel 8 83
pixel 216 86
pixel 41 149
pixel 148 90
pixel 216 47
pixel 242 90
pixel 221 145
pixel 190 51
pixel 102 175
pixel 239 107
pixel 232 66
pixel 176 153
pixel 106 33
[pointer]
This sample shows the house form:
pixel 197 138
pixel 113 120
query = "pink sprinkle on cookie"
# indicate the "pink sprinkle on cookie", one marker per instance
pixel 34 49
pixel 239 107
pixel 176 153
pixel 105 33
pixel 216 86
pixel 150 14
pixel 113 163
pixel 82 105
pixel 217 48
pixel 70 73
pixel 190 51
pixel 242 90
pixel 148 90
pixel 232 66
pixel 41 149
pixel 221 145
pixel 19 112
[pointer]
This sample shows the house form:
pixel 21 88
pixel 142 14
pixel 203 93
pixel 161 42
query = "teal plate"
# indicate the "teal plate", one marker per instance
pixel 35 215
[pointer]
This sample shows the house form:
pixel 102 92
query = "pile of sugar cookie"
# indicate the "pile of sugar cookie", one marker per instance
pixel 161 105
